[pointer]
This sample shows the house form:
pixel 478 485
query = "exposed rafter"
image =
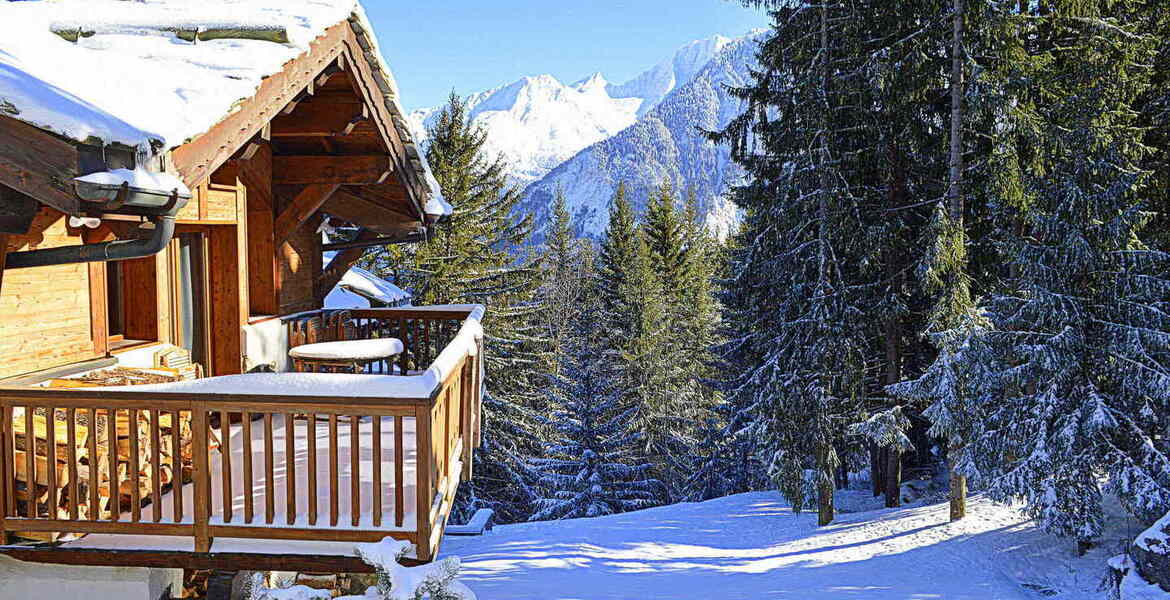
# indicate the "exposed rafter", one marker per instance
pixel 321 119
pixel 300 209
pixel 365 169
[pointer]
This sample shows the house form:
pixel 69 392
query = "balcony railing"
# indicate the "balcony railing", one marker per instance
pixel 277 456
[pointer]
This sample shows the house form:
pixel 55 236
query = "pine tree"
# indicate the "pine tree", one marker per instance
pixel 615 256
pixel 798 291
pixel 592 468
pixel 473 259
pixel 643 363
pixel 680 257
pixel 1080 329
pixel 568 264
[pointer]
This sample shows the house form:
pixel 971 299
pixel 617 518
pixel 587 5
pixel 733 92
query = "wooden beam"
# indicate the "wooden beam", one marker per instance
pixel 176 559
pixel 37 164
pixel 3 262
pixel 300 209
pixel 365 169
pixel 369 212
pixel 321 119
pixel 17 211
pixel 361 72
pixel 261 139
pixel 200 157
pixel 99 325
pixel 307 92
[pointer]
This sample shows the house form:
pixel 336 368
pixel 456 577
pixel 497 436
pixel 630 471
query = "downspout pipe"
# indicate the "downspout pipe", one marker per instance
pixel 164 230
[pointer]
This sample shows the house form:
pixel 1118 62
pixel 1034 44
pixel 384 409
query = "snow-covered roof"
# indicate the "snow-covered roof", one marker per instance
pixel 365 283
pixel 155 74
pixel 133 80
pixel 359 286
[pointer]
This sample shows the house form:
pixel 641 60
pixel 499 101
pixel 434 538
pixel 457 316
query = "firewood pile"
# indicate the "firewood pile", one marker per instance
pixel 174 464
pixel 121 499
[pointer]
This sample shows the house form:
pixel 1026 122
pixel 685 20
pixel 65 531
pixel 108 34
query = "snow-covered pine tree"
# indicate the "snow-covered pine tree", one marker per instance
pixel 643 362
pixel 946 386
pixel 568 264
pixel 713 459
pixel 593 466
pixel 797 291
pixel 1081 328
pixel 473 259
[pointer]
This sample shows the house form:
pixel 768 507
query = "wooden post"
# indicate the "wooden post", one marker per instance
pixel 3 257
pixel 6 479
pixel 201 476
pixel 424 474
pixel 466 404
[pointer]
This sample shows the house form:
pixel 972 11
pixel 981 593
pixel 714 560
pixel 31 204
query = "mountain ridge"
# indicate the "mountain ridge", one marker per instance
pixel 572 136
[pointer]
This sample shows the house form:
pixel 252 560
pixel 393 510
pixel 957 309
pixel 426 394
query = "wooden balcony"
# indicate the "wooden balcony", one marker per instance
pixel 271 464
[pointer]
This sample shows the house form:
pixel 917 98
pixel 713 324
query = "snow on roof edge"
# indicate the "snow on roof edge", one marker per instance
pixel 436 203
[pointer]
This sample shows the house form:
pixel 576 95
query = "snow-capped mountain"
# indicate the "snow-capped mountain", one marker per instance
pixel 665 145
pixel 587 136
pixel 538 122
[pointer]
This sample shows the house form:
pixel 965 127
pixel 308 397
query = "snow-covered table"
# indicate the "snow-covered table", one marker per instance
pixel 350 355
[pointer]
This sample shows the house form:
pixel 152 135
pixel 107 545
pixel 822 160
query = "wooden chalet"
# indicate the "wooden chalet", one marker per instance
pixel 242 464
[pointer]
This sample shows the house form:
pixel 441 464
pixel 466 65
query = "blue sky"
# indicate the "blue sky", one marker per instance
pixel 471 45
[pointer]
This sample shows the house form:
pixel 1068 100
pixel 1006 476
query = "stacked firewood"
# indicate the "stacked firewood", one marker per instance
pixel 173 466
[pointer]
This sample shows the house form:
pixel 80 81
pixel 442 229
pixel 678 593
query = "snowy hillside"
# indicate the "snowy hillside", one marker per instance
pixel 751 546
pixel 665 145
pixel 538 122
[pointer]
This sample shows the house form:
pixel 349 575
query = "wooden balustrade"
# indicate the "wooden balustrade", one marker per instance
pixel 285 467
pixel 423 333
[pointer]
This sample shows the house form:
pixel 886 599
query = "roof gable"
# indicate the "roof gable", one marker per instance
pixel 204 80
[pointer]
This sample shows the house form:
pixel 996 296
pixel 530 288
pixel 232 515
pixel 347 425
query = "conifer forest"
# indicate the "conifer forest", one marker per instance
pixel 951 267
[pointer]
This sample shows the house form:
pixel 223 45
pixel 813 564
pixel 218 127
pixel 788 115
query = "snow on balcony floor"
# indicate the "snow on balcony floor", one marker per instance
pixel 280 481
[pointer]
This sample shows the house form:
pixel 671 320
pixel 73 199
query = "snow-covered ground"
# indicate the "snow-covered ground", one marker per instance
pixel 752 546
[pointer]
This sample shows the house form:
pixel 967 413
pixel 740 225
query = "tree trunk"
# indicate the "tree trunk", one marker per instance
pixel 958 495
pixel 893 456
pixel 824 487
pixel 955 208
pixel 877 469
pixel 893 478
pixel 825 479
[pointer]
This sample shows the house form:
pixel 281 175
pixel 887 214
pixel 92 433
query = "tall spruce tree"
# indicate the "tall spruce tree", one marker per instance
pixel 1081 331
pixel 593 466
pixel 615 255
pixel 568 263
pixel 473 259
pixel 800 295
pixel 679 257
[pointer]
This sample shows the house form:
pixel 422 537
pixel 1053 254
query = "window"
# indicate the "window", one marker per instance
pixel 132 302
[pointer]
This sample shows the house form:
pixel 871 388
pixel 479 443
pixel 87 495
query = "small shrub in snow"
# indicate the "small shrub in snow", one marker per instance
pixel 434 581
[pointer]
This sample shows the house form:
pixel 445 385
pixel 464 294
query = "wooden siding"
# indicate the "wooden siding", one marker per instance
pixel 47 310
pixel 211 203
pixel 300 266
pixel 256 175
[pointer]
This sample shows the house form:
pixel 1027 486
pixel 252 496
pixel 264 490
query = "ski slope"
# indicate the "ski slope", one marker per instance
pixel 751 546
